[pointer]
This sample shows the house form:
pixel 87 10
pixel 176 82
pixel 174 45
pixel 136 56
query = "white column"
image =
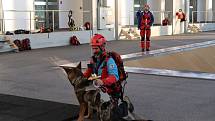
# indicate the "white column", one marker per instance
pixel 112 11
pixel 187 12
pixel 163 14
pixel 178 27
pixel 20 20
pixel 126 12
pixel 1 16
pixel 94 6
pixel 209 14
pixel 116 19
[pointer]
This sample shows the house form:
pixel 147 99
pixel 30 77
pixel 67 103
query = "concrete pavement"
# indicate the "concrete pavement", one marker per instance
pixel 35 75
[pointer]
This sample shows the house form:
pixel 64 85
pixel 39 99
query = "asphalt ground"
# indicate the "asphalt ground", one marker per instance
pixel 34 76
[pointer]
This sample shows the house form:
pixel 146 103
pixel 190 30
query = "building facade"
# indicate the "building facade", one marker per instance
pixel 102 14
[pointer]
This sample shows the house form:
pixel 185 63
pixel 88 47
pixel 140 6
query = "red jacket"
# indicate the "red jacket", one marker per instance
pixel 181 16
pixel 108 79
pixel 146 21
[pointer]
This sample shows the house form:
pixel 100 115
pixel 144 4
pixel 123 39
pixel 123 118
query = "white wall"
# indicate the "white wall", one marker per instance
pixel 205 26
pixel 54 39
pixel 75 6
pixel 159 30
pixel 18 20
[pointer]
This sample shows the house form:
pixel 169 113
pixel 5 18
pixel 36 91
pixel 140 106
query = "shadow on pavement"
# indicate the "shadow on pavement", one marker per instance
pixel 14 108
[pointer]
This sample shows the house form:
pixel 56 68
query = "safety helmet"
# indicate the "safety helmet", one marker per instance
pixel 98 40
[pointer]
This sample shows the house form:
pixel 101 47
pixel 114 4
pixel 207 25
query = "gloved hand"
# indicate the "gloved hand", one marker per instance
pixel 93 77
pixel 99 82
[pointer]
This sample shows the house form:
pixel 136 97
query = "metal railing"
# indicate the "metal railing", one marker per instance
pixel 203 17
pixel 34 20
pixel 159 16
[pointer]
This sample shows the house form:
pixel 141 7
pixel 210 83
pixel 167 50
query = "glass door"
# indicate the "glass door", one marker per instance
pixel 40 16
pixel 44 15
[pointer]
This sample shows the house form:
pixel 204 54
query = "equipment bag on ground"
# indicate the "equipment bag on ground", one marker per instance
pixel 18 43
pixel 26 44
pixel 74 41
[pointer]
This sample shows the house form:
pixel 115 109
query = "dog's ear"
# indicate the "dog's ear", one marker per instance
pixel 79 65
pixel 67 69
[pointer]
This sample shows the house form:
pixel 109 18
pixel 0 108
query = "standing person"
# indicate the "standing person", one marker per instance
pixel 180 15
pixel 145 21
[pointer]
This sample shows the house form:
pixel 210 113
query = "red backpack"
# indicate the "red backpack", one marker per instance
pixel 74 41
pixel 118 60
pixel 26 44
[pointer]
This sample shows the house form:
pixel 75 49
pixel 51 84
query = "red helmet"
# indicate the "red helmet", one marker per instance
pixel 98 40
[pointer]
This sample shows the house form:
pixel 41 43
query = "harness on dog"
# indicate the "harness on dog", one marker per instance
pixel 75 82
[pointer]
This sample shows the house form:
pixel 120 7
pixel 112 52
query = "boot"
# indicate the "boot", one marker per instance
pixel 147 45
pixel 143 46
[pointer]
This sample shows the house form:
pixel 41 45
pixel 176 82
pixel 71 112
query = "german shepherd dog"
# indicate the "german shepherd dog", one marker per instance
pixel 86 99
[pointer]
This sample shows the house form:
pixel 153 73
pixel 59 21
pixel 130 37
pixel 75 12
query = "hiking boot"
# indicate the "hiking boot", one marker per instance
pixel 130 105
pixel 143 50
pixel 147 50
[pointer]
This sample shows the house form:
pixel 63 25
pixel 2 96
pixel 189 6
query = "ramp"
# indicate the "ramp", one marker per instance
pixel 197 60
